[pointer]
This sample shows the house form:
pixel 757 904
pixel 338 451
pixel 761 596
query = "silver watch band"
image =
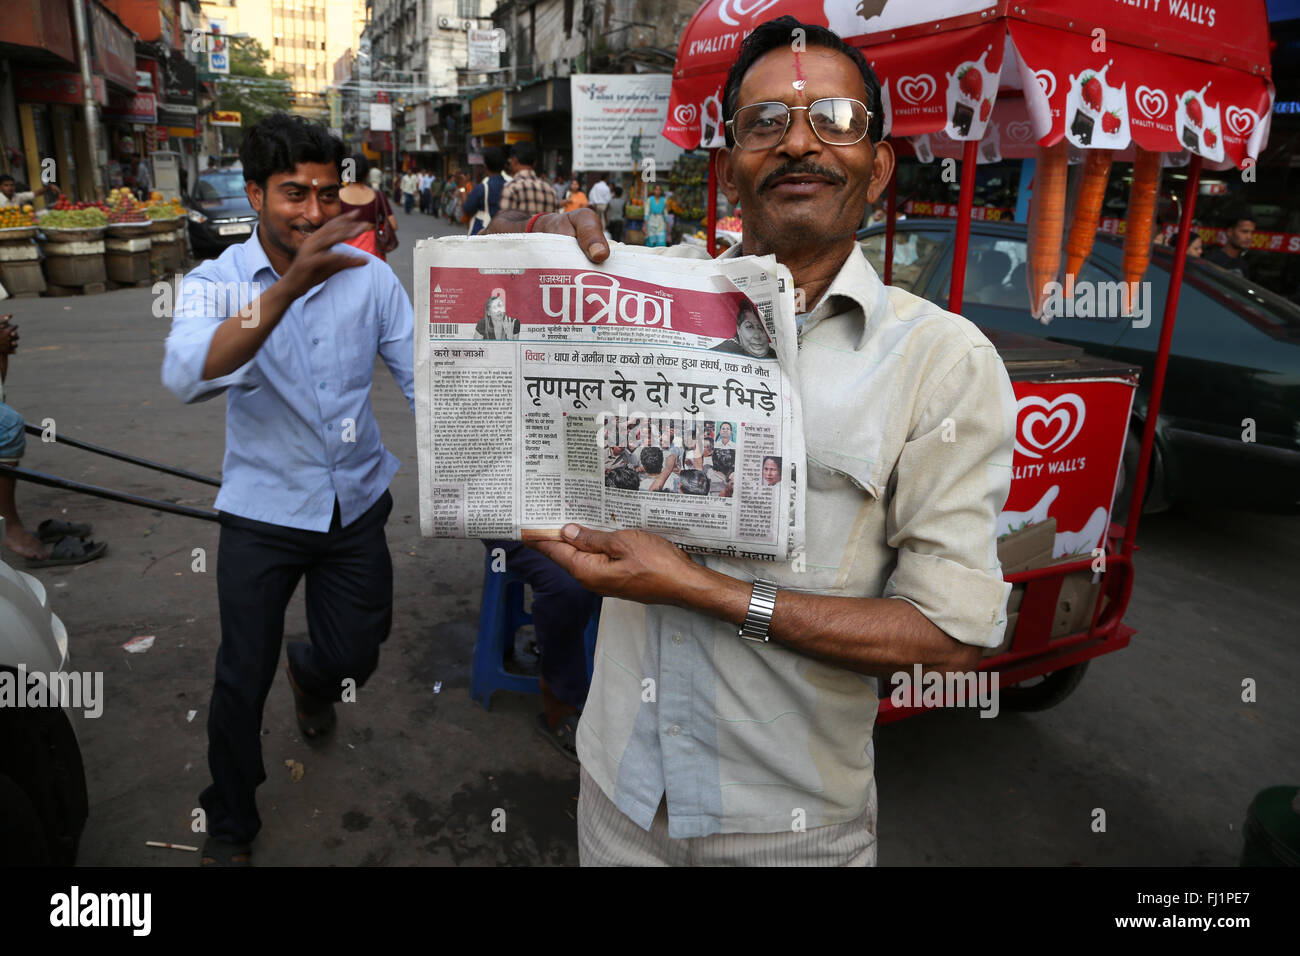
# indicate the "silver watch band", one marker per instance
pixel 762 602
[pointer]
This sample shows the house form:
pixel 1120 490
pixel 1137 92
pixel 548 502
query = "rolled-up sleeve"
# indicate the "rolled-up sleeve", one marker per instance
pixel 201 305
pixel 953 477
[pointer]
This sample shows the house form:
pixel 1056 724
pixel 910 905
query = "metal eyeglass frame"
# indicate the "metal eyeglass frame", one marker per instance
pixel 730 124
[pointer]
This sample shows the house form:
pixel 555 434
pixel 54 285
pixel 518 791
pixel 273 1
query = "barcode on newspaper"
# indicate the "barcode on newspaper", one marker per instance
pixel 443 328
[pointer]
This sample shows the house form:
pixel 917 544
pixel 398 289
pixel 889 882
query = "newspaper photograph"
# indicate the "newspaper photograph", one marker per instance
pixel 650 391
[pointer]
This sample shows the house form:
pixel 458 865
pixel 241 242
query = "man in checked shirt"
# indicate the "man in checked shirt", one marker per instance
pixel 697 745
pixel 526 192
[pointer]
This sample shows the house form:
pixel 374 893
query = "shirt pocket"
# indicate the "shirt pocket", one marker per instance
pixel 355 352
pixel 842 497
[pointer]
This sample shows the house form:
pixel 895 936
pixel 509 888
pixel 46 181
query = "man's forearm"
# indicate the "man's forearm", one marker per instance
pixel 238 338
pixel 877 636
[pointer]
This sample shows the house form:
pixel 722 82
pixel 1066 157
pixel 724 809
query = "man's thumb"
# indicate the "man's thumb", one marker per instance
pixel 584 539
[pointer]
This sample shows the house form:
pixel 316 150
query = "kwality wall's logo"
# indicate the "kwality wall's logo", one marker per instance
pixel 1046 428
pixel 916 89
pixel 731 11
pixel 1240 120
pixel 685 114
pixel 1046 82
pixel 1153 103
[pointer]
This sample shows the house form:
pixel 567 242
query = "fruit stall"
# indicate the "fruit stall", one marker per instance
pixel 1069 85
pixel 20 265
pixel 90 246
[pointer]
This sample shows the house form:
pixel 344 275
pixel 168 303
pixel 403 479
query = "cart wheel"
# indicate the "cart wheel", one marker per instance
pixel 1040 693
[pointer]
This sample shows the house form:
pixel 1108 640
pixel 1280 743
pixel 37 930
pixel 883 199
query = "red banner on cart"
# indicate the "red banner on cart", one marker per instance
pixel 1169 75
pixel 1069 441
pixel 1164 103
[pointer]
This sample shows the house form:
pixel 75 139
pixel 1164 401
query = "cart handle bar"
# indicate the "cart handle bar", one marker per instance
pixel 53 481
pixel 122 456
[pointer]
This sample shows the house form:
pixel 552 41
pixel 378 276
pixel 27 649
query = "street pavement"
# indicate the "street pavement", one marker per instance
pixel 1157 735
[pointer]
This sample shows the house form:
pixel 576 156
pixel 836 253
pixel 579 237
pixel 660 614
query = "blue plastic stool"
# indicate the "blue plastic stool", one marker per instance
pixel 501 616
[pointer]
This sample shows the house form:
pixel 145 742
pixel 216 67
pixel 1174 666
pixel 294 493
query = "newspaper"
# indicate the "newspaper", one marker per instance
pixel 650 391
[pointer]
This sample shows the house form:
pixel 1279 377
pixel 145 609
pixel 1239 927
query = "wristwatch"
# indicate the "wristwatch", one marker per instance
pixel 762 602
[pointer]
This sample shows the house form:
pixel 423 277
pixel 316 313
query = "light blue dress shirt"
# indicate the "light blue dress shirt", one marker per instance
pixel 300 431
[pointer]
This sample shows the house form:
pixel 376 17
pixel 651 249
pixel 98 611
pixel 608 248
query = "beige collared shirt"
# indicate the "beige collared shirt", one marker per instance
pixel 909 419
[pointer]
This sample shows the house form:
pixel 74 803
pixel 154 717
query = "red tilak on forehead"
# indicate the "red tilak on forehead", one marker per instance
pixel 798 74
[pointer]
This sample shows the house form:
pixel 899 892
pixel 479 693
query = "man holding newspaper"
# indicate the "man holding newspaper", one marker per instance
pixel 753 742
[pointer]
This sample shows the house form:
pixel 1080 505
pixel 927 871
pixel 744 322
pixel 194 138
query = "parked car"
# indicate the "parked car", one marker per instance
pixel 43 802
pixel 220 214
pixel 1229 423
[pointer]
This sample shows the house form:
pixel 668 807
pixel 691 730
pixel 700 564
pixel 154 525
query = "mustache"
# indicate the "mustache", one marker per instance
pixel 801 168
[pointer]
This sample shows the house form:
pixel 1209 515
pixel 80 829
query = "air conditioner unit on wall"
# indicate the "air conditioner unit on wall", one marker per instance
pixel 444 23
pixel 467 25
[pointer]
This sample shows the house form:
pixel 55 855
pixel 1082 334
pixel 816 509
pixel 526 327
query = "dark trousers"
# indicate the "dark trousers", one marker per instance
pixel 349 612
pixel 561 607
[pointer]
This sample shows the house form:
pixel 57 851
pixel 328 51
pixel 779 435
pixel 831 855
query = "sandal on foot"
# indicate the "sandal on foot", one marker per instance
pixel 55 529
pixel 220 853
pixel 315 716
pixel 563 736
pixel 70 550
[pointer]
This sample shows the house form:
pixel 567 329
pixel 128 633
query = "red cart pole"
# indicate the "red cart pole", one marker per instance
pixel 712 217
pixel 1162 354
pixel 962 242
pixel 891 207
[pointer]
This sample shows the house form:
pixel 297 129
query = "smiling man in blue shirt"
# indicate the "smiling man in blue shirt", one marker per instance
pixel 289 324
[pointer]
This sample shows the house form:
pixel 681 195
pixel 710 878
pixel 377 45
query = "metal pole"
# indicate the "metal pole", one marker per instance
pixel 712 217
pixel 962 242
pixel 53 481
pixel 891 210
pixel 1162 355
pixel 122 456
pixel 88 96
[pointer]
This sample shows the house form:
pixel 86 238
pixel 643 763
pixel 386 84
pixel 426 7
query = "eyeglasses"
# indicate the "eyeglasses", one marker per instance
pixel 836 121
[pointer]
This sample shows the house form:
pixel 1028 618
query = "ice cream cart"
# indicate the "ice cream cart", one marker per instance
pixel 1158 84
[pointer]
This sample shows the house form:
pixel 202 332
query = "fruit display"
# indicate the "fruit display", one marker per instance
pixel 687 180
pixel 88 217
pixel 17 217
pixel 159 208
pixel 65 205
pixel 730 224
pixel 124 207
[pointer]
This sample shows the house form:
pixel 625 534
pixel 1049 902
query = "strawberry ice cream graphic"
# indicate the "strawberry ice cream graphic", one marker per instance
pixel 1198 124
pixel 968 107
pixel 1090 89
pixel 1097 110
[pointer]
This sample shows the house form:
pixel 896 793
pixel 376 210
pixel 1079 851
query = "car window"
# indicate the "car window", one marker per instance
pixel 914 249
pixel 221 186
pixel 996 276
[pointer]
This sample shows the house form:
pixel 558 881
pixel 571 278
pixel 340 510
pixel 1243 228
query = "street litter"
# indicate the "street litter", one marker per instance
pixel 171 846
pixel 296 770
pixel 138 645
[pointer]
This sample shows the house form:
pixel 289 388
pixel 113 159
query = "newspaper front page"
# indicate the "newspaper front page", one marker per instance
pixel 647 392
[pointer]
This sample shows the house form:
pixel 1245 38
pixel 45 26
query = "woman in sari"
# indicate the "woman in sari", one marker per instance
pixel 656 222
